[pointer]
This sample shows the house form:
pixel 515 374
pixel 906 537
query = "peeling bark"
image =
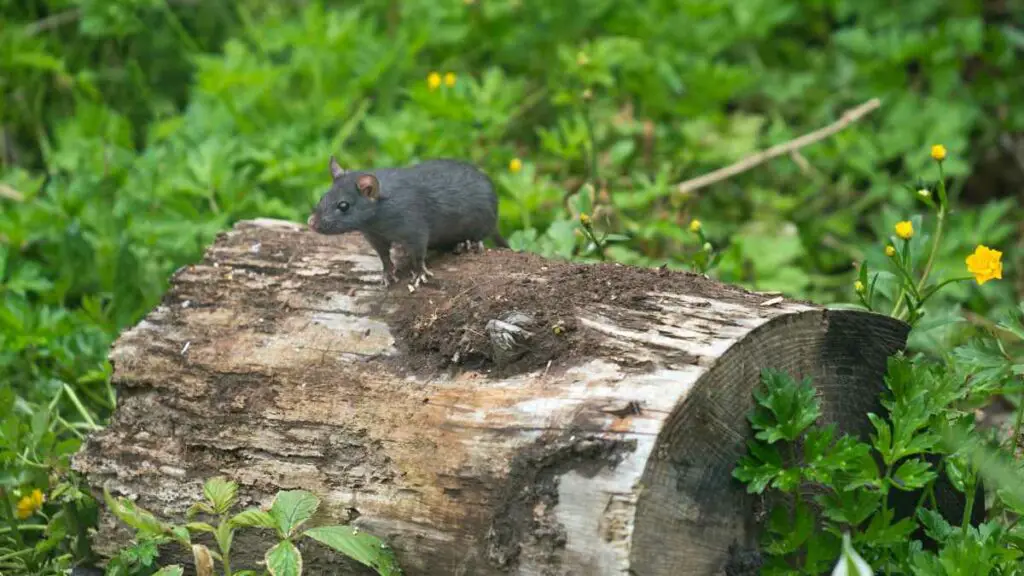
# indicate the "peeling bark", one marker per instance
pixel 515 416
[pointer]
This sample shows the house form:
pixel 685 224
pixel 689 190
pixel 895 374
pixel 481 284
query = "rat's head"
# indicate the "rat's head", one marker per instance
pixel 348 205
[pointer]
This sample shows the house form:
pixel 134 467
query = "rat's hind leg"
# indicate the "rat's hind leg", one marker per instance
pixel 418 260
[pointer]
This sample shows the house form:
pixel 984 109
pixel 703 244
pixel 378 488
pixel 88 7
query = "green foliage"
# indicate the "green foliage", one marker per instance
pixel 837 487
pixel 133 131
pixel 289 510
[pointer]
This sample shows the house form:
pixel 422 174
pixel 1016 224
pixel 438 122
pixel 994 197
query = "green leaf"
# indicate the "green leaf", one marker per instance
pixel 221 493
pixel 913 474
pixel 935 526
pixel 284 559
pixel 200 527
pixel 173 570
pixel 882 438
pixel 357 545
pixel 882 532
pixel 851 507
pixel 790 532
pixel 1012 499
pixel 785 409
pixel 225 535
pixel 253 518
pixel 180 533
pixel 759 468
pixel 134 516
pixel 291 508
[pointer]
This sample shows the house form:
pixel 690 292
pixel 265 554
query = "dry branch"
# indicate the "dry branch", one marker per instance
pixel 849 117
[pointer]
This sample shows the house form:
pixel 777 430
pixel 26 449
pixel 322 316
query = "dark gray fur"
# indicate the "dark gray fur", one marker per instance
pixel 436 204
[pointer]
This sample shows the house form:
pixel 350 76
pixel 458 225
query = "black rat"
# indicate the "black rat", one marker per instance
pixel 442 204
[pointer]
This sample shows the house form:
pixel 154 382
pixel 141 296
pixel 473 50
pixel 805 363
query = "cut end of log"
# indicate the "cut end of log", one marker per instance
pixel 515 416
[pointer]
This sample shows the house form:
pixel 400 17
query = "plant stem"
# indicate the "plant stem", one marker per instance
pixel 943 209
pixel 26 527
pixel 969 507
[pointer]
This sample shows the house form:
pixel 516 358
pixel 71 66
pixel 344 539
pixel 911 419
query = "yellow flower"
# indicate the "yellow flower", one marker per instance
pixel 694 225
pixel 905 229
pixel 433 80
pixel 939 152
pixel 28 505
pixel 449 79
pixel 858 286
pixel 515 165
pixel 985 264
pixel 585 219
pixel 890 251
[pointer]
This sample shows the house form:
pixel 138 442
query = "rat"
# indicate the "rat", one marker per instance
pixel 442 204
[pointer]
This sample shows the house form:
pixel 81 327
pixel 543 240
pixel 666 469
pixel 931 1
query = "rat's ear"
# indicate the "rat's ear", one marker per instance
pixel 368 186
pixel 336 169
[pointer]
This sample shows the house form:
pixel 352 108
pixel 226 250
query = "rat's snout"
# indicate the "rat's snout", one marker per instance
pixel 312 222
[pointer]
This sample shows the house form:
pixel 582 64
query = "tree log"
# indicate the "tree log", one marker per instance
pixel 516 415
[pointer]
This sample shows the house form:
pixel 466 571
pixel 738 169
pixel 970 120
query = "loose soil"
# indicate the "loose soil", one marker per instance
pixel 443 323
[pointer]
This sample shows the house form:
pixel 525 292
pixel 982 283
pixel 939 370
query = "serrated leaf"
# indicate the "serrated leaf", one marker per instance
pixel 284 559
pixel 225 535
pixel 1012 499
pixel 882 438
pixel 818 441
pixel 200 527
pixel 357 545
pixel 221 493
pixel 173 570
pixel 134 516
pixel 291 508
pixel 759 468
pixel 253 518
pixel 181 534
pixel 913 474
pixel 785 408
pixel 198 507
pixel 791 531
pixel 935 526
pixel 852 507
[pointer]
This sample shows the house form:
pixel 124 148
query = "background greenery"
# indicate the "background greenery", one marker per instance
pixel 134 130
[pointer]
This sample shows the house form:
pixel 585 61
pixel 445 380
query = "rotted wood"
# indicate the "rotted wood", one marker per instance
pixel 515 416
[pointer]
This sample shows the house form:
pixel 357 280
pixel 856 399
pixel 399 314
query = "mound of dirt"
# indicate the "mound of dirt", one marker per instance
pixel 445 323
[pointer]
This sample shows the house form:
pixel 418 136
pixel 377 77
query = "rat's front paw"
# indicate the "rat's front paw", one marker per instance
pixel 389 278
pixel 420 278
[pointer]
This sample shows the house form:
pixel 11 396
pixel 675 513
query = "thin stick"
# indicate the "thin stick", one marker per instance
pixel 66 17
pixel 849 117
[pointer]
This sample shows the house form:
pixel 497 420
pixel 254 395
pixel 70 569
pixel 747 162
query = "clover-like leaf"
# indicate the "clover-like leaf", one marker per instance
pixel 291 508
pixel 357 545
pixel 221 494
pixel 253 518
pixel 284 559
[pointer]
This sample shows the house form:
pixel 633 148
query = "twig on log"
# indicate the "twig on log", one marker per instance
pixel 850 116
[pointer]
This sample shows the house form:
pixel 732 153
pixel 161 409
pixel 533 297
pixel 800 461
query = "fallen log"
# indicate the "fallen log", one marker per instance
pixel 515 416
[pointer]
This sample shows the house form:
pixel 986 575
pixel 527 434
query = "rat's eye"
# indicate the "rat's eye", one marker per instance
pixel 343 206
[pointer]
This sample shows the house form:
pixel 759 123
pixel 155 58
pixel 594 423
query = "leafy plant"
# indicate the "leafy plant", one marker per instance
pixel 288 512
pixel 831 486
